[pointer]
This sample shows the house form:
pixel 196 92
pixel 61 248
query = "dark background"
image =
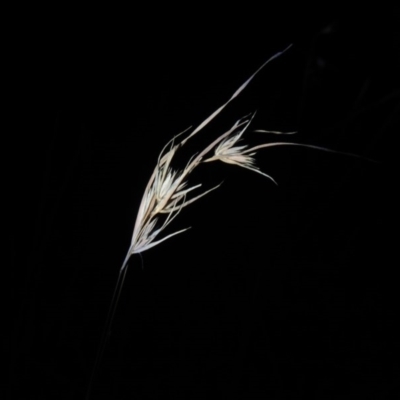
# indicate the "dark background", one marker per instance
pixel 277 292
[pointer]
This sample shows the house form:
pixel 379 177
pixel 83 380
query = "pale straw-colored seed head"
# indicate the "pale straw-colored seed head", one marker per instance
pixel 167 191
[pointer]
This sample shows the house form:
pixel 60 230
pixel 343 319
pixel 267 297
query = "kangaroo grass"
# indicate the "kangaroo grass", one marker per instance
pixel 168 191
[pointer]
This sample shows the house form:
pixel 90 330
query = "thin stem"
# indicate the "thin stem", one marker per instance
pixel 107 328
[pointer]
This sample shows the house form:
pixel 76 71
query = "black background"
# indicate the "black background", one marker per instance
pixel 277 292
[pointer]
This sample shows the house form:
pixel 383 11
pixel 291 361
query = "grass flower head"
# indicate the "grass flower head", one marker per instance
pixel 168 191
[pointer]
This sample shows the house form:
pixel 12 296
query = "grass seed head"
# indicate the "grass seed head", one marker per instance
pixel 167 191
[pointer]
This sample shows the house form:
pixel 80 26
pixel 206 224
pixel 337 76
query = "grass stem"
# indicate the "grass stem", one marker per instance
pixel 110 317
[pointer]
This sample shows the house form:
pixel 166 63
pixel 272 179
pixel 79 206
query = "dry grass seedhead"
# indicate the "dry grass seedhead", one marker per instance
pixel 168 191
